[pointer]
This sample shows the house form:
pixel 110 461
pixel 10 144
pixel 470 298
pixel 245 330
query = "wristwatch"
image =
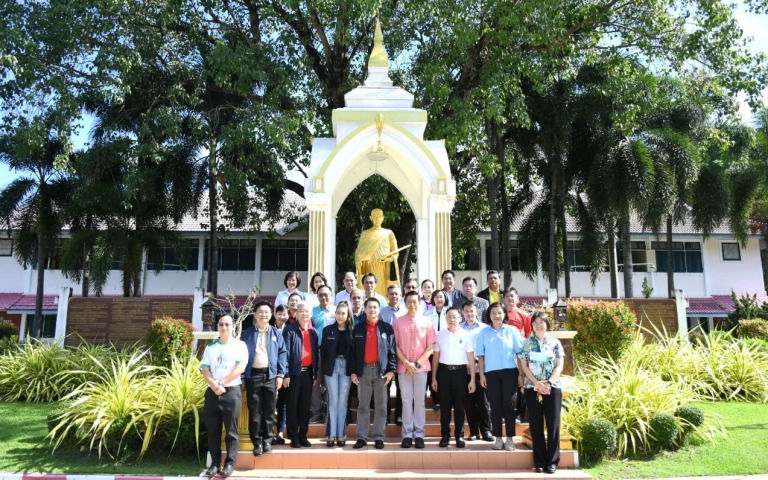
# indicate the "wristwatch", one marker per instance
pixel 418 365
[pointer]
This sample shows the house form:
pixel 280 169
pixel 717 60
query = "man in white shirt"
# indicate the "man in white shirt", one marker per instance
pixel 350 283
pixel 223 363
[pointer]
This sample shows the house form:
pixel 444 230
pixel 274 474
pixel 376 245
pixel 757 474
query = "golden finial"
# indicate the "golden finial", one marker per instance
pixel 379 121
pixel 378 55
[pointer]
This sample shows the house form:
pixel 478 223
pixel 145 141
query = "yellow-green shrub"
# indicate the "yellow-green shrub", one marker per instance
pixel 605 329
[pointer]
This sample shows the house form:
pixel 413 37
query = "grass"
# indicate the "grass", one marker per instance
pixel 743 452
pixel 24 449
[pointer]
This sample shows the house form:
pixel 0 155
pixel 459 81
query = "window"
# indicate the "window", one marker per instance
pixel 235 255
pixel 686 257
pixel 514 257
pixel 639 256
pixel 181 257
pixel 284 255
pixel 731 251
pixel 49 325
pixel 54 259
pixel 6 247
pixel 576 257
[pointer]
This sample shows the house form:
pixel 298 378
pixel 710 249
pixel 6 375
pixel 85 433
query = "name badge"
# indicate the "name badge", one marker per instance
pixel 538 357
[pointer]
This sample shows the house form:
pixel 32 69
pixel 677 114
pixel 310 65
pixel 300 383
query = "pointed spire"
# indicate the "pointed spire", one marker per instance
pixel 378 55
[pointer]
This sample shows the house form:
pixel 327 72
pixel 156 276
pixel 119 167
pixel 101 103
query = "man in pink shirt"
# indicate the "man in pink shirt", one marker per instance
pixel 415 339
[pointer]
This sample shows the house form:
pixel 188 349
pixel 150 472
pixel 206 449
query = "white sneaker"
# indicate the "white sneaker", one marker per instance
pixel 509 445
pixel 499 443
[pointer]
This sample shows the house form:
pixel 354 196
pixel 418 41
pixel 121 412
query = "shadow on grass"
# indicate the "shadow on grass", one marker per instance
pixel 752 426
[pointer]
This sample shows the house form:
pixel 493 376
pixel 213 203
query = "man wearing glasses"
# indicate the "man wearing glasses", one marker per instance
pixel 224 361
pixel 264 374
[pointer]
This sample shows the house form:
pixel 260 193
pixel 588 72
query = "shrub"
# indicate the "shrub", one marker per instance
pixel 664 431
pixel 29 373
pixel 733 369
pixel 746 307
pixel 605 329
pixel 169 339
pixel 8 345
pixel 598 439
pixel 757 328
pixel 627 395
pixel 7 330
pixel 690 417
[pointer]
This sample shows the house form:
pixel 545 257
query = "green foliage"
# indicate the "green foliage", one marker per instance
pixel 664 431
pixel 8 337
pixel 605 329
pixel 646 288
pixel 690 418
pixel 629 396
pixel 746 308
pixel 7 330
pixel 127 407
pixel 757 329
pixel 170 339
pixel 598 439
pixel 30 373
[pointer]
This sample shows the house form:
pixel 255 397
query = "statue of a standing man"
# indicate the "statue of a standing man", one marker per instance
pixel 374 253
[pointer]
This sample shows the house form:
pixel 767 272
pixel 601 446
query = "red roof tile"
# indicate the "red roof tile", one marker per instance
pixel 8 299
pixel 27 302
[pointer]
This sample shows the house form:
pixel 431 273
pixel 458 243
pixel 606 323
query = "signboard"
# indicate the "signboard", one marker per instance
pixel 120 320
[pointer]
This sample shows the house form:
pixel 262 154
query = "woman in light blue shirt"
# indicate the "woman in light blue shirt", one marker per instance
pixel 496 350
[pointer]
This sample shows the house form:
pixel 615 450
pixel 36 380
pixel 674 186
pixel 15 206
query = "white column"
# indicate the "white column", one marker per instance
pixel 257 263
pixel 200 262
pixel 423 252
pixel 682 320
pixel 61 315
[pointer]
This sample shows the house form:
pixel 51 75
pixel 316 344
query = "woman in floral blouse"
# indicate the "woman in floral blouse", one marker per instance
pixel 542 363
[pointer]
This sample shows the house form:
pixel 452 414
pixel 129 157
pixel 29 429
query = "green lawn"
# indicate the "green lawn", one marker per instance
pixel 23 448
pixel 744 451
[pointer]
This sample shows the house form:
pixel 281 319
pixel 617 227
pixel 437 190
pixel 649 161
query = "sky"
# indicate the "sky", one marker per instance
pixel 753 25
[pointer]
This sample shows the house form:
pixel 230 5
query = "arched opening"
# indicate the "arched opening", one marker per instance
pixel 353 217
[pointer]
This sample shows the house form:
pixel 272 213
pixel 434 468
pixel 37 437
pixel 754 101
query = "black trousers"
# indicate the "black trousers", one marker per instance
pixel 545 451
pixel 521 403
pixel 299 400
pixel 262 397
pixel 502 391
pixel 452 392
pixel 218 409
pixel 478 410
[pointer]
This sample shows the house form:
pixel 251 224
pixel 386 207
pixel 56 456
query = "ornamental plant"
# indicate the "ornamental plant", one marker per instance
pixel 605 329
pixel 170 339
pixel 757 328
pixel 598 439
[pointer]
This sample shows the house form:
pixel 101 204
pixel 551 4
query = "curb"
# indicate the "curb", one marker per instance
pixel 44 476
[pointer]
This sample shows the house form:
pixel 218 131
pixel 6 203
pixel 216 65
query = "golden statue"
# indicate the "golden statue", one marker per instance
pixel 376 250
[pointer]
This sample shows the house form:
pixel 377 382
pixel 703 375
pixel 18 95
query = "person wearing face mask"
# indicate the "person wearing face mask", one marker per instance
pixel 292 282
pixel 541 361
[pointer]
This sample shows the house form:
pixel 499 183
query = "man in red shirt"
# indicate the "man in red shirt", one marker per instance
pixel 373 367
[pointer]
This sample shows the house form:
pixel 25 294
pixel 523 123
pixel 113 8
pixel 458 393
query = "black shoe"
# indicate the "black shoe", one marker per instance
pixel 419 442
pixel 539 470
pixel 550 469
pixel 406 443
pixel 460 443
pixel 341 443
pixel 227 470
pixel 295 443
pixel 399 421
pixel 436 407
pixel 317 418
pixel 472 438
pixel 330 443
pixel 258 449
pixel 379 444
pixel 443 442
pixel 488 437
pixel 212 471
pixel 304 442
pixel 267 447
pixel 360 444
pixel 278 441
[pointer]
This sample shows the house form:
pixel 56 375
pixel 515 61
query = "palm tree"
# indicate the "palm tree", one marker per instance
pixel 30 205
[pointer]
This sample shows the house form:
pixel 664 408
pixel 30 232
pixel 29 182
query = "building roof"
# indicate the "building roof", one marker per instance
pixel 26 304
pixel 8 299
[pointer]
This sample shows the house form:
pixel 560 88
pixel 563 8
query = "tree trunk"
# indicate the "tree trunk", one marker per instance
pixel 670 262
pixel 37 322
pixel 493 193
pixel 553 229
pixel 86 286
pixel 566 261
pixel 613 269
pixel 506 259
pixel 626 248
pixel 213 250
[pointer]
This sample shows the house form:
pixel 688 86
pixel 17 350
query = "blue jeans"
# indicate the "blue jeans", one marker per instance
pixel 338 394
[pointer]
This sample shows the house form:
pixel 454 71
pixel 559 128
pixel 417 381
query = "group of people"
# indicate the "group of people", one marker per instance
pixel 475 352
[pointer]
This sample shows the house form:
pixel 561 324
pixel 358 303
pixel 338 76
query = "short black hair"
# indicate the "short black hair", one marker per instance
pixel 412 293
pixel 371 299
